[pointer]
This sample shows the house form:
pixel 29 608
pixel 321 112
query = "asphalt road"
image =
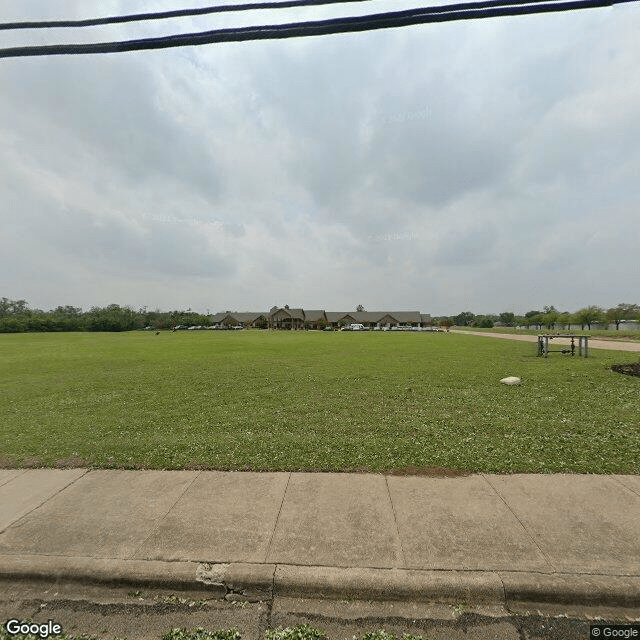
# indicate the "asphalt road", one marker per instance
pixel 136 614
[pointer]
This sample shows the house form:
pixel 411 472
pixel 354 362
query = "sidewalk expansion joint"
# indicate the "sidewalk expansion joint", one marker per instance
pixel 398 544
pixel 53 495
pixel 22 472
pixel 275 524
pixel 161 518
pixel 622 484
pixel 515 515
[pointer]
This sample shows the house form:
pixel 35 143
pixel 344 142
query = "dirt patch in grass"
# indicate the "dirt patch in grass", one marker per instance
pixel 194 465
pixel 32 463
pixel 6 463
pixel 632 369
pixel 431 472
pixel 71 463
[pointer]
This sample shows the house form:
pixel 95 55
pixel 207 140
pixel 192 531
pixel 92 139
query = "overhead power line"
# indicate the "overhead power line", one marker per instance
pixel 424 15
pixel 163 15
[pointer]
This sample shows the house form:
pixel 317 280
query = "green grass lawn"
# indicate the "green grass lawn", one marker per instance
pixel 313 401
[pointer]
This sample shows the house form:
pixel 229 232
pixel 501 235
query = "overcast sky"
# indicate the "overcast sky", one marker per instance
pixel 489 165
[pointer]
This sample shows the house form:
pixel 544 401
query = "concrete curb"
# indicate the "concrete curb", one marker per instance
pixel 256 582
pixel 173 575
pixel 388 584
pixel 574 589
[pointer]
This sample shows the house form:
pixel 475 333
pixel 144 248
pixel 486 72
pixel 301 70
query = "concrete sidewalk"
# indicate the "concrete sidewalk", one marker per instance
pixel 495 539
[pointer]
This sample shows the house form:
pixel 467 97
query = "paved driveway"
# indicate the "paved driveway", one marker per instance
pixel 613 345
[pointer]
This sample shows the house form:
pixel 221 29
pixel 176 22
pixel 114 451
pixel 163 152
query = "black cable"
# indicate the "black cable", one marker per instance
pixel 316 28
pixel 176 13
pixel 181 13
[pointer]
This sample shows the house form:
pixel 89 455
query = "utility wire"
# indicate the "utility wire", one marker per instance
pixel 446 13
pixel 176 13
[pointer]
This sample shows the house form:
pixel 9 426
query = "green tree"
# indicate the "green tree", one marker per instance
pixel 550 317
pixel 521 321
pixel 624 311
pixel 359 308
pixel 464 319
pixel 588 315
pixel 12 324
pixel 534 318
pixel 508 319
pixel 615 315
pixel 113 318
pixel 13 307
pixel 67 318
pixel 565 319
pixel 484 322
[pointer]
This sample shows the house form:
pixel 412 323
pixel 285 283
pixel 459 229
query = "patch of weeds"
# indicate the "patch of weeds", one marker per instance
pixel 200 634
pixel 632 369
pixel 173 599
pixel 63 636
pixel 135 594
pixel 460 607
pixel 383 635
pixel 301 632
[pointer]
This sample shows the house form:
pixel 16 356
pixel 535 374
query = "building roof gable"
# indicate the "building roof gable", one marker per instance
pixel 314 315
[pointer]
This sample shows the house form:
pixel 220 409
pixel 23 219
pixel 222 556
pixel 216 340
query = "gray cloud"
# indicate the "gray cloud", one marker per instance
pixel 444 167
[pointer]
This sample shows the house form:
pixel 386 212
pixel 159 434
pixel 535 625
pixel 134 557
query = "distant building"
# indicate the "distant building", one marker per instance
pixel 244 318
pixel 297 319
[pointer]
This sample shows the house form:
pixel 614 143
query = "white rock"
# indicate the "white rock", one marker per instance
pixel 511 380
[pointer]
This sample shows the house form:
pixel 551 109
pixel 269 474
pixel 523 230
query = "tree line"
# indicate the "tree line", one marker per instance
pixel 548 318
pixel 17 317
